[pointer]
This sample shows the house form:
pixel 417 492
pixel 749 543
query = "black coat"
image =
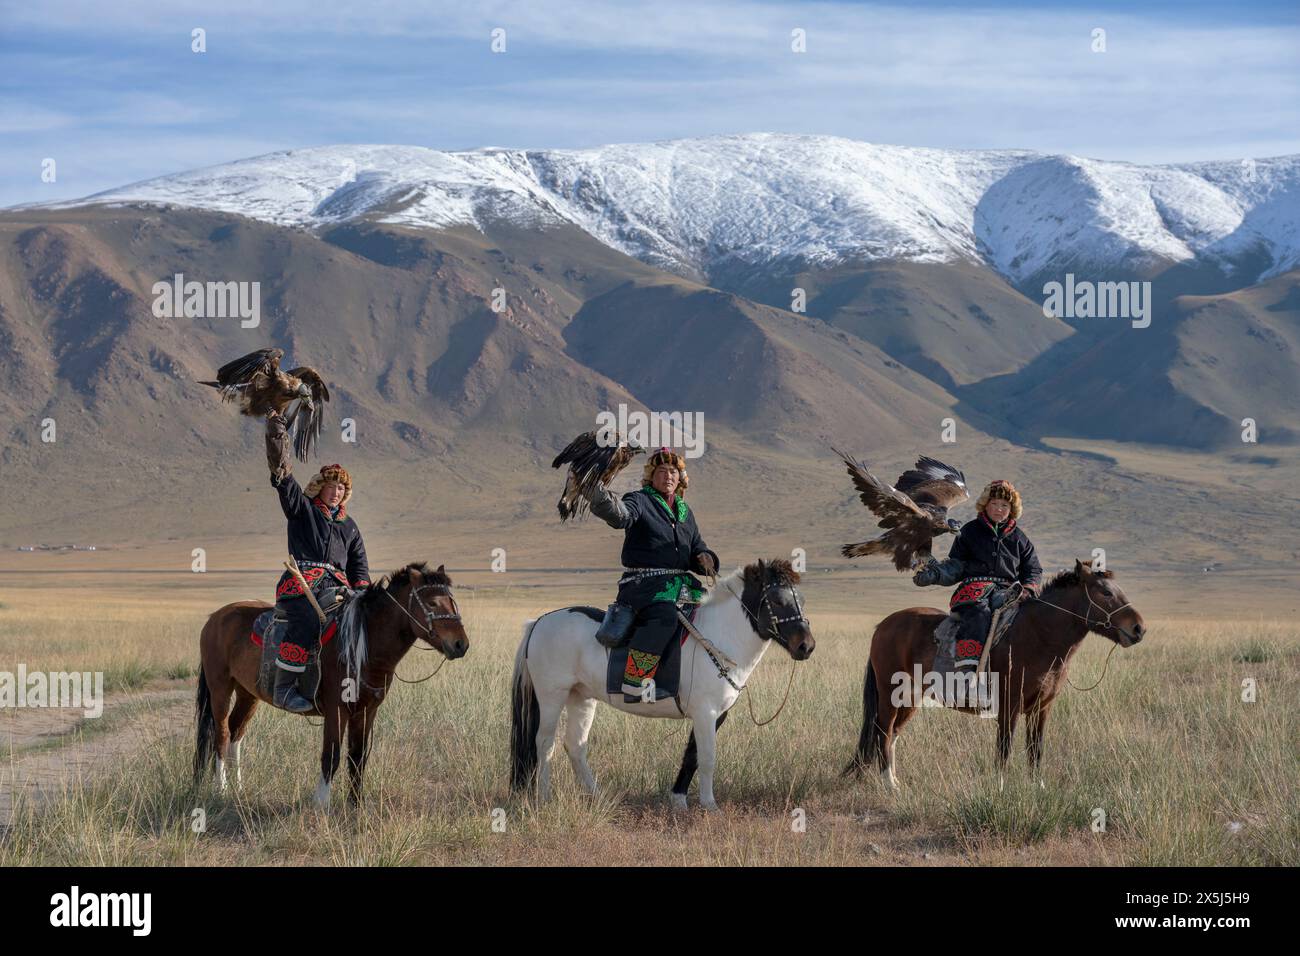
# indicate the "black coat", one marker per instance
pixel 1003 553
pixel 316 536
pixel 655 538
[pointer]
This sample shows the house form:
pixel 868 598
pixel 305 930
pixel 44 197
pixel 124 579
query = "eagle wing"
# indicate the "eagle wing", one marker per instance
pixel 308 418
pixel 890 505
pixel 931 482
pixel 591 465
pixel 234 377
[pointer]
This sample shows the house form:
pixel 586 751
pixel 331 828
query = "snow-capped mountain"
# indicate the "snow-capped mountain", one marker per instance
pixel 693 206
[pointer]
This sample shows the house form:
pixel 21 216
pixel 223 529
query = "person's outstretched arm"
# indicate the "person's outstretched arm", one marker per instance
pixel 279 460
pixel 615 511
pixel 945 573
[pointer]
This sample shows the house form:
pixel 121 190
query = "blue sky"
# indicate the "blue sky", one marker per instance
pixel 113 93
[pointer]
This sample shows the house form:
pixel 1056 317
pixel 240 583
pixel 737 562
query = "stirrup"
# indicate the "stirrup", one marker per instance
pixel 286 694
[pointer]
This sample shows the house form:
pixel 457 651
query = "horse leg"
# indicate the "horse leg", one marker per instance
pixel 581 711
pixel 331 745
pixel 1007 718
pixel 689 764
pixel 706 750
pixel 221 689
pixel 245 704
pixel 1035 723
pixel 549 708
pixel 360 726
pixel 894 726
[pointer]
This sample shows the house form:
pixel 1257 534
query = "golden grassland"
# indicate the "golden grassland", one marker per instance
pixel 1183 769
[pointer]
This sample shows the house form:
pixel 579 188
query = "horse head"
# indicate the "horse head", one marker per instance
pixel 430 610
pixel 1107 610
pixel 775 606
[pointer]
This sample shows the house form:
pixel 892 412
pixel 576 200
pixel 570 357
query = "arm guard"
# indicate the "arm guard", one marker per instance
pixel 949 571
pixel 610 508
pixel 278 458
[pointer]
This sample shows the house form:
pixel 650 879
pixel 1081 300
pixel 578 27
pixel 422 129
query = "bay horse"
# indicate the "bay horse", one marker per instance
pixel 376 629
pixel 560 664
pixel 1030 663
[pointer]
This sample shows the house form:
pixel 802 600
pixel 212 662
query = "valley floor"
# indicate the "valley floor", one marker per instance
pixel 1165 753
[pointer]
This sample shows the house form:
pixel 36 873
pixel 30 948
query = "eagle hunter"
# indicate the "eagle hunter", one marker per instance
pixel 913 511
pixel 299 395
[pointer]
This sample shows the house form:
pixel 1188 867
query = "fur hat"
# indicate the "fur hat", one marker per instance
pixel 1000 489
pixel 666 456
pixel 331 473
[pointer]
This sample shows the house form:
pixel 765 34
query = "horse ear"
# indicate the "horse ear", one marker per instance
pixel 442 569
pixel 1080 568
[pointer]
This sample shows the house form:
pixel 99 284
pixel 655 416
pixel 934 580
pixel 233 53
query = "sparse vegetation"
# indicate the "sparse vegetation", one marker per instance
pixel 1182 769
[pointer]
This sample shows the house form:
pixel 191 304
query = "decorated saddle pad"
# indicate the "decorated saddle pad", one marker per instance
pixel 268 634
pixel 975 589
pixel 665 672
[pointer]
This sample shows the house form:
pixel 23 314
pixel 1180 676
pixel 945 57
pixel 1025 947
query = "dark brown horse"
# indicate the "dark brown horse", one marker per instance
pixel 1029 664
pixel 375 631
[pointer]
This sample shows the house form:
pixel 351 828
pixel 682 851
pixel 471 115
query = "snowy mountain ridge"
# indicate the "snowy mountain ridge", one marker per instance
pixel 692 206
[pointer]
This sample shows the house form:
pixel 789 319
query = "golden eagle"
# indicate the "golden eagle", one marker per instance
pixel 591 464
pixel 914 511
pixel 260 387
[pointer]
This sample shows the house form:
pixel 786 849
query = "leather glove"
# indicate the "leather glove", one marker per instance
pixel 705 564
pixel 278 458
pixel 926 576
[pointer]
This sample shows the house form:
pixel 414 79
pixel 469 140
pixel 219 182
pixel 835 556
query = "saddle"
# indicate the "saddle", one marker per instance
pixel 268 633
pixel 666 672
pixel 972 628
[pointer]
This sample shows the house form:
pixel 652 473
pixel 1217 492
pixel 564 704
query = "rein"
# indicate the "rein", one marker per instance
pixel 774 622
pixel 1091 623
pixel 430 616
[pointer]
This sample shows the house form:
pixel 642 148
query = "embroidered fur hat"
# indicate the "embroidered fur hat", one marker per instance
pixel 331 473
pixel 666 456
pixel 1000 489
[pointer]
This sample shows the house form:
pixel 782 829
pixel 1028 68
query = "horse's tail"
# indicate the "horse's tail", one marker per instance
pixel 869 738
pixel 206 725
pixel 525 715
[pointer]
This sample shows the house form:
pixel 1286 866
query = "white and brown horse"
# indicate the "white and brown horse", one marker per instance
pixel 560 664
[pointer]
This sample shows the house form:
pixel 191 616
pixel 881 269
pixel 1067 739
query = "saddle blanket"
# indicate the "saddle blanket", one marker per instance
pixel 666 674
pixel 268 633
pixel 967 648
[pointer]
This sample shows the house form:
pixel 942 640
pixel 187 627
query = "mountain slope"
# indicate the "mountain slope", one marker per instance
pixel 696 207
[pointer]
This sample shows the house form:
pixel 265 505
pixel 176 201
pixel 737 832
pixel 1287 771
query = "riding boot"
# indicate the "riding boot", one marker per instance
pixel 287 695
pixel 301 631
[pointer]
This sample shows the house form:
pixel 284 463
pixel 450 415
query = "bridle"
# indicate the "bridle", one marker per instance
pixel 1107 624
pixel 774 621
pixel 431 614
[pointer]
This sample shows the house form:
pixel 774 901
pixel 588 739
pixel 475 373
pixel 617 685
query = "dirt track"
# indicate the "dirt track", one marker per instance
pixel 45 750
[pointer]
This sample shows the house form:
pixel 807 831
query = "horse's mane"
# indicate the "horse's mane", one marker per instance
pixel 1070 578
pixel 402 576
pixel 781 570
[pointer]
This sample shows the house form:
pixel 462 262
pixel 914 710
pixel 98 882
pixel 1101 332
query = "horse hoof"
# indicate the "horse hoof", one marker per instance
pixel 677 801
pixel 710 807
